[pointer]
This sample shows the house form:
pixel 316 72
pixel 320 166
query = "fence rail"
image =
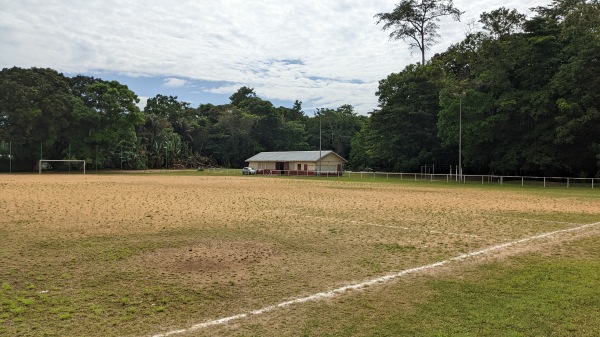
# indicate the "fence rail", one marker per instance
pixel 483 179
pixel 443 177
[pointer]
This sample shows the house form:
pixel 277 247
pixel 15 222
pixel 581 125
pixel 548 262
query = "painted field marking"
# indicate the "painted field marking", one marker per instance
pixel 398 227
pixel 528 219
pixel 415 229
pixel 379 280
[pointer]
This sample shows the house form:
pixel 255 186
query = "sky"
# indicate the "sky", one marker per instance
pixel 324 53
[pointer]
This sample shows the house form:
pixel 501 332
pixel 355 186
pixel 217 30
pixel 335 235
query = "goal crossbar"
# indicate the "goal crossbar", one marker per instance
pixel 61 160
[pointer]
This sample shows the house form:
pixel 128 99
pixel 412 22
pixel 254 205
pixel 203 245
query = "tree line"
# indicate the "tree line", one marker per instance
pixel 44 114
pixel 521 96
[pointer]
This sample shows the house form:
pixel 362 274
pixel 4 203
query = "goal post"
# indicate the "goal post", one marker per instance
pixel 40 164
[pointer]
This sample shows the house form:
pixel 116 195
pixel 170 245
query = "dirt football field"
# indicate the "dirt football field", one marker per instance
pixel 209 255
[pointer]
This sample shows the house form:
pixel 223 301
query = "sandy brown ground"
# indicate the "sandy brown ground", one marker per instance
pixel 204 247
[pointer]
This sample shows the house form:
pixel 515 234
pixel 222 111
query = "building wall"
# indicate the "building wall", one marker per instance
pixel 262 165
pixel 328 164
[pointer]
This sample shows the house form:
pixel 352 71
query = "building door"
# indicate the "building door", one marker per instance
pixel 339 167
pixel 281 166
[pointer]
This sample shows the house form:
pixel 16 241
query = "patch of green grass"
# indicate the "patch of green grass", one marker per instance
pixel 6 286
pixel 527 295
pixel 534 298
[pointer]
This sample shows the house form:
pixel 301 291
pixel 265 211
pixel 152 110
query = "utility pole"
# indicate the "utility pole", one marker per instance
pixel 460 138
pixel 320 145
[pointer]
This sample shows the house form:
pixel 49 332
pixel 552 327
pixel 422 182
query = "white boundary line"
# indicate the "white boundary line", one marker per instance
pixel 362 223
pixel 415 229
pixel 379 280
pixel 528 219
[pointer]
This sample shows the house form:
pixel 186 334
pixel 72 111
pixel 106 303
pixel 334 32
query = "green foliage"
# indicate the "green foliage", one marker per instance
pixel 45 114
pixel 502 22
pixel 35 108
pixel 336 128
pixel 401 135
pixel 529 106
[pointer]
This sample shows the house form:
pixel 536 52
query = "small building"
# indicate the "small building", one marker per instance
pixel 297 163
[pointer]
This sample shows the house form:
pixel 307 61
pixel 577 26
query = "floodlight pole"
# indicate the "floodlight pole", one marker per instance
pixel 459 171
pixel 320 145
pixel 166 156
pixel 460 138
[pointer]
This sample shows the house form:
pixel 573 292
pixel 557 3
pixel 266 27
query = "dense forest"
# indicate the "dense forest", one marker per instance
pixel 523 94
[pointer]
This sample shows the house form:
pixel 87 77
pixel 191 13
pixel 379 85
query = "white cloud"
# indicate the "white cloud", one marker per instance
pixel 175 82
pixel 142 103
pixel 324 53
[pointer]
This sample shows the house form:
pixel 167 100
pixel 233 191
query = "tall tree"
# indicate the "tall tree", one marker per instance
pixel 576 88
pixel 241 95
pixel 401 135
pixel 166 106
pixel 416 21
pixel 502 22
pixel 111 117
pixel 336 128
pixel 35 108
pixel 235 135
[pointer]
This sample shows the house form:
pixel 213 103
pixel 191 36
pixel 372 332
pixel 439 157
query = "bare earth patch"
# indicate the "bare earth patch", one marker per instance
pixel 208 262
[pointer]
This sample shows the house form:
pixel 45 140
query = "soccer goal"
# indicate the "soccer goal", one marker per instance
pixel 45 162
